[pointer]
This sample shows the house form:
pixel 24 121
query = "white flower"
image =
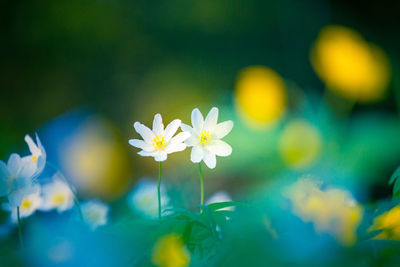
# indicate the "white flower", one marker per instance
pixel 158 143
pixel 16 179
pixel 18 175
pixel 57 195
pixel 94 213
pixel 30 203
pixel 220 196
pixel 143 199
pixel 38 154
pixel 206 137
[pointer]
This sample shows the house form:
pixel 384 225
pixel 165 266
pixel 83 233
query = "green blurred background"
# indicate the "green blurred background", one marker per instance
pixel 128 60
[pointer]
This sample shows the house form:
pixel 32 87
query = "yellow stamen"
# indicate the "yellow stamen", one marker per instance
pixel 159 142
pixel 34 158
pixel 205 138
pixel 26 204
pixel 58 199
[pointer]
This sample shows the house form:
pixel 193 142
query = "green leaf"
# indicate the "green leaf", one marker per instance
pixel 221 205
pixel 395 175
pixel 396 189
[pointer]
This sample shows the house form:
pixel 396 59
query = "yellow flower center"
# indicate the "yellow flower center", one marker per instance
pixel 205 138
pixel 58 199
pixel 34 158
pixel 159 142
pixel 26 204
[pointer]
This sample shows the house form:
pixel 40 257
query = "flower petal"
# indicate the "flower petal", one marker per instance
pixel 158 126
pixel 192 141
pixel 141 144
pixel 32 146
pixel 4 173
pixel 171 129
pixel 28 169
pixel 220 148
pixel 14 164
pixel 160 157
pixel 40 146
pixel 171 148
pixel 144 131
pixel 197 120
pixel 197 154
pixel 222 129
pixel 186 128
pixel 210 160
pixel 146 154
pixel 211 119
pixel 180 137
pixel 15 198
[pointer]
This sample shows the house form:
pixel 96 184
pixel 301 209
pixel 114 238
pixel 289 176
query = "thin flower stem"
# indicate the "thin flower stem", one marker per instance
pixel 76 200
pixel 159 193
pixel 21 242
pixel 201 186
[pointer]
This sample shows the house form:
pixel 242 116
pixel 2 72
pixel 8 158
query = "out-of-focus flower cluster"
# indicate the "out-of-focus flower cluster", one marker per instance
pixel 332 211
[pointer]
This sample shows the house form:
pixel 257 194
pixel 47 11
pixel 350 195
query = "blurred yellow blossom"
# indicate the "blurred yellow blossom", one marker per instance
pixel 170 251
pixel 331 211
pixel 260 96
pixel 349 65
pixel 97 161
pixel 389 223
pixel 300 144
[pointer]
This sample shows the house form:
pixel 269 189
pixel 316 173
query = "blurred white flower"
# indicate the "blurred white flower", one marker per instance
pixel 205 137
pixel 143 199
pixel 220 196
pixel 57 195
pixel 30 203
pixel 158 143
pixel 16 179
pixel 95 213
pixel 38 154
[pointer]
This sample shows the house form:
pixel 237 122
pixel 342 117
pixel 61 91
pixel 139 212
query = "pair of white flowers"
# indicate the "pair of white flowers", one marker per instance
pixel 204 136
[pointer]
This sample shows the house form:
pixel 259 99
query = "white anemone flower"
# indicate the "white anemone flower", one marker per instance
pixel 95 213
pixel 143 199
pixel 57 195
pixel 30 203
pixel 16 179
pixel 38 154
pixel 159 142
pixel 206 137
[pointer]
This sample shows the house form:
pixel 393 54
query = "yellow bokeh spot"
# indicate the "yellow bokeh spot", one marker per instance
pixel 26 204
pixel 97 160
pixel 34 159
pixel 389 223
pixel 170 251
pixel 205 138
pixel 159 142
pixel 260 96
pixel 331 211
pixel 300 144
pixel 349 65
pixel 58 199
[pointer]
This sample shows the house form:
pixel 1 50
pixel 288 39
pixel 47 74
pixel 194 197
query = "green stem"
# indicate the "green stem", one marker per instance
pixel 159 193
pixel 201 185
pixel 21 242
pixel 76 200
